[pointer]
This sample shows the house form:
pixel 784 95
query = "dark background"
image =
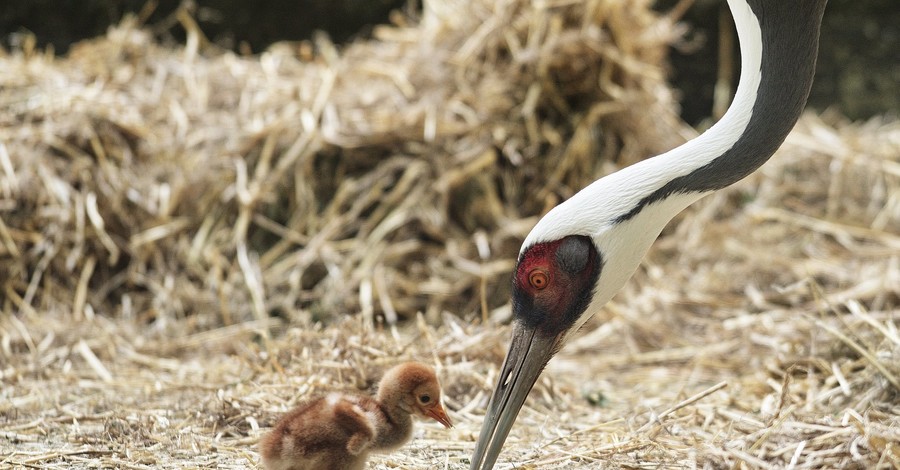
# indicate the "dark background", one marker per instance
pixel 858 72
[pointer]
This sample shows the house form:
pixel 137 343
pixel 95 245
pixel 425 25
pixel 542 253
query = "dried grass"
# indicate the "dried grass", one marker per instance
pixel 183 232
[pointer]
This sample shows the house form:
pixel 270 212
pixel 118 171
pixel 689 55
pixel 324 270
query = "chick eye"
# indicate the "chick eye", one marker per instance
pixel 538 279
pixel 424 399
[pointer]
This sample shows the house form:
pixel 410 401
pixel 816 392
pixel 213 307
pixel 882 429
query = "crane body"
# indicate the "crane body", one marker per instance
pixel 581 253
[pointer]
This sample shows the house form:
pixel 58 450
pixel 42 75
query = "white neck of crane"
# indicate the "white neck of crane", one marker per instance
pixel 595 210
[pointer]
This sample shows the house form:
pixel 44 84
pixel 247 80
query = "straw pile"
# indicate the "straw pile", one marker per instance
pixel 191 242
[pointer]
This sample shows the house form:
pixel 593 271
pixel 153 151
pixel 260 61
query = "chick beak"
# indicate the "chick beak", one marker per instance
pixel 529 351
pixel 438 414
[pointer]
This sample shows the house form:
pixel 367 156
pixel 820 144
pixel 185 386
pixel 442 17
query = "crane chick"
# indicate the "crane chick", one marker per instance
pixel 338 431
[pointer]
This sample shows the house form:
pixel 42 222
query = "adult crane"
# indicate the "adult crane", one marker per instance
pixel 582 252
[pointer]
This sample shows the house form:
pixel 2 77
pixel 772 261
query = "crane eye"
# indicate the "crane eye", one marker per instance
pixel 424 399
pixel 538 279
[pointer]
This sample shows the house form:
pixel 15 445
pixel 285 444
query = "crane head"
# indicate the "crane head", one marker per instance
pixel 554 283
pixel 552 289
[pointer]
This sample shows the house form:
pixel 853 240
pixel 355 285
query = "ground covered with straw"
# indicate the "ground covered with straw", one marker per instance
pixel 193 241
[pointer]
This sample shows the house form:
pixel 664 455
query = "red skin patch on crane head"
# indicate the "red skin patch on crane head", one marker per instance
pixel 554 283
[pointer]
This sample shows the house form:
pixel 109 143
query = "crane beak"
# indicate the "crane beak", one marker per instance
pixel 528 353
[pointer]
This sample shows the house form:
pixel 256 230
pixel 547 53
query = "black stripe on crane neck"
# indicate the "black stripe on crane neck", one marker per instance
pixel 789 30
